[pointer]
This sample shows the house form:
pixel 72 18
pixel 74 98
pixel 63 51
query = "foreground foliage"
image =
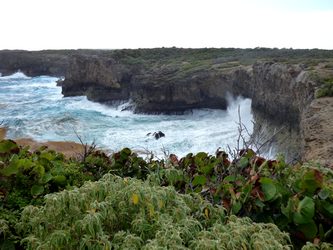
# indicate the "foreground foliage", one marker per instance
pixel 298 199
pixel 125 213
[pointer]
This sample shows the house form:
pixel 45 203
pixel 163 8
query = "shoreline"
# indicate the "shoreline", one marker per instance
pixel 69 148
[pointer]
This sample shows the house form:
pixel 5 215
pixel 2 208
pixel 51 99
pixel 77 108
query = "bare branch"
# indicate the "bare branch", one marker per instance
pixel 87 149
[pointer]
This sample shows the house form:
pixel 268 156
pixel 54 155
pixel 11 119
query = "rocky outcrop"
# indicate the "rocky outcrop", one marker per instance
pixel 100 79
pixel 174 94
pixel 34 63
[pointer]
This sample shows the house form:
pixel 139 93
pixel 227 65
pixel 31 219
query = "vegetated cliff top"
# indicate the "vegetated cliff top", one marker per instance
pixel 229 54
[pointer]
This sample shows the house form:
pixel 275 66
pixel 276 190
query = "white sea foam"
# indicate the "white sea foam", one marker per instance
pixel 17 75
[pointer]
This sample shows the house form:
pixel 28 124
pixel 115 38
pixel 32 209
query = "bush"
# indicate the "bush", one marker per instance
pixel 326 89
pixel 299 198
pixel 126 213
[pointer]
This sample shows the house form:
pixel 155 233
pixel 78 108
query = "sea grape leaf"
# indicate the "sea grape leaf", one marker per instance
pixel 46 177
pixel 309 229
pixel 47 155
pixel 199 180
pixel 249 153
pixel 39 169
pixel 201 156
pixel 305 211
pixel 124 153
pixel 37 190
pixel 199 159
pixel 60 180
pixel 207 168
pixel 8 146
pixel 312 180
pixel 289 209
pixel 10 170
pixel 268 187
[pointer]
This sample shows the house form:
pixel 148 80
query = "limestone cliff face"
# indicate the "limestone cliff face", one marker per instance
pixel 34 63
pixel 317 131
pixel 163 91
pixel 279 91
pixel 165 94
pixel 279 94
pixel 98 79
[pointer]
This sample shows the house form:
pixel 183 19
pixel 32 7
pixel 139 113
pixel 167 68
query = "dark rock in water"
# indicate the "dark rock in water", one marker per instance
pixel 157 135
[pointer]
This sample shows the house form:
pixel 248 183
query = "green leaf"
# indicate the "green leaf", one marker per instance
pixel 229 178
pixel 199 180
pixel 305 211
pixel 309 229
pixel 250 153
pixel 243 162
pixel 207 169
pixel 10 170
pixel 236 207
pixel 46 178
pixel 324 194
pixel 8 146
pixel 328 208
pixel 47 155
pixel 60 180
pixel 24 164
pixel 311 181
pixel 259 203
pixel 289 209
pixel 124 153
pixel 39 170
pixel 37 190
pixel 268 187
pixel 199 160
pixel 201 156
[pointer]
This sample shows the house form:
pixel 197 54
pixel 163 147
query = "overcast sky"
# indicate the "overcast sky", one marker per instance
pixel 115 24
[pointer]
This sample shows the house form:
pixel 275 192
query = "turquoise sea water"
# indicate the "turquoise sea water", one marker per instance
pixel 35 107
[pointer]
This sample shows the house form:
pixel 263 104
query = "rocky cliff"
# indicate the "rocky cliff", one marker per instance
pixel 281 84
pixel 34 63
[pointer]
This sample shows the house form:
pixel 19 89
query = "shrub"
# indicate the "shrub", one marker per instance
pixel 119 213
pixel 326 89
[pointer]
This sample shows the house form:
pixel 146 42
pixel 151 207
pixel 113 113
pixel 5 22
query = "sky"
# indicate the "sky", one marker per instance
pixel 117 24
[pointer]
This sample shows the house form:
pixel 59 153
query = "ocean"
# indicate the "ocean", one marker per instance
pixel 34 107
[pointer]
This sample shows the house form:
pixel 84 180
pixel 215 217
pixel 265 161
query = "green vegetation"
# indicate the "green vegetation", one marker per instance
pixel 326 88
pixel 196 202
pixel 118 213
